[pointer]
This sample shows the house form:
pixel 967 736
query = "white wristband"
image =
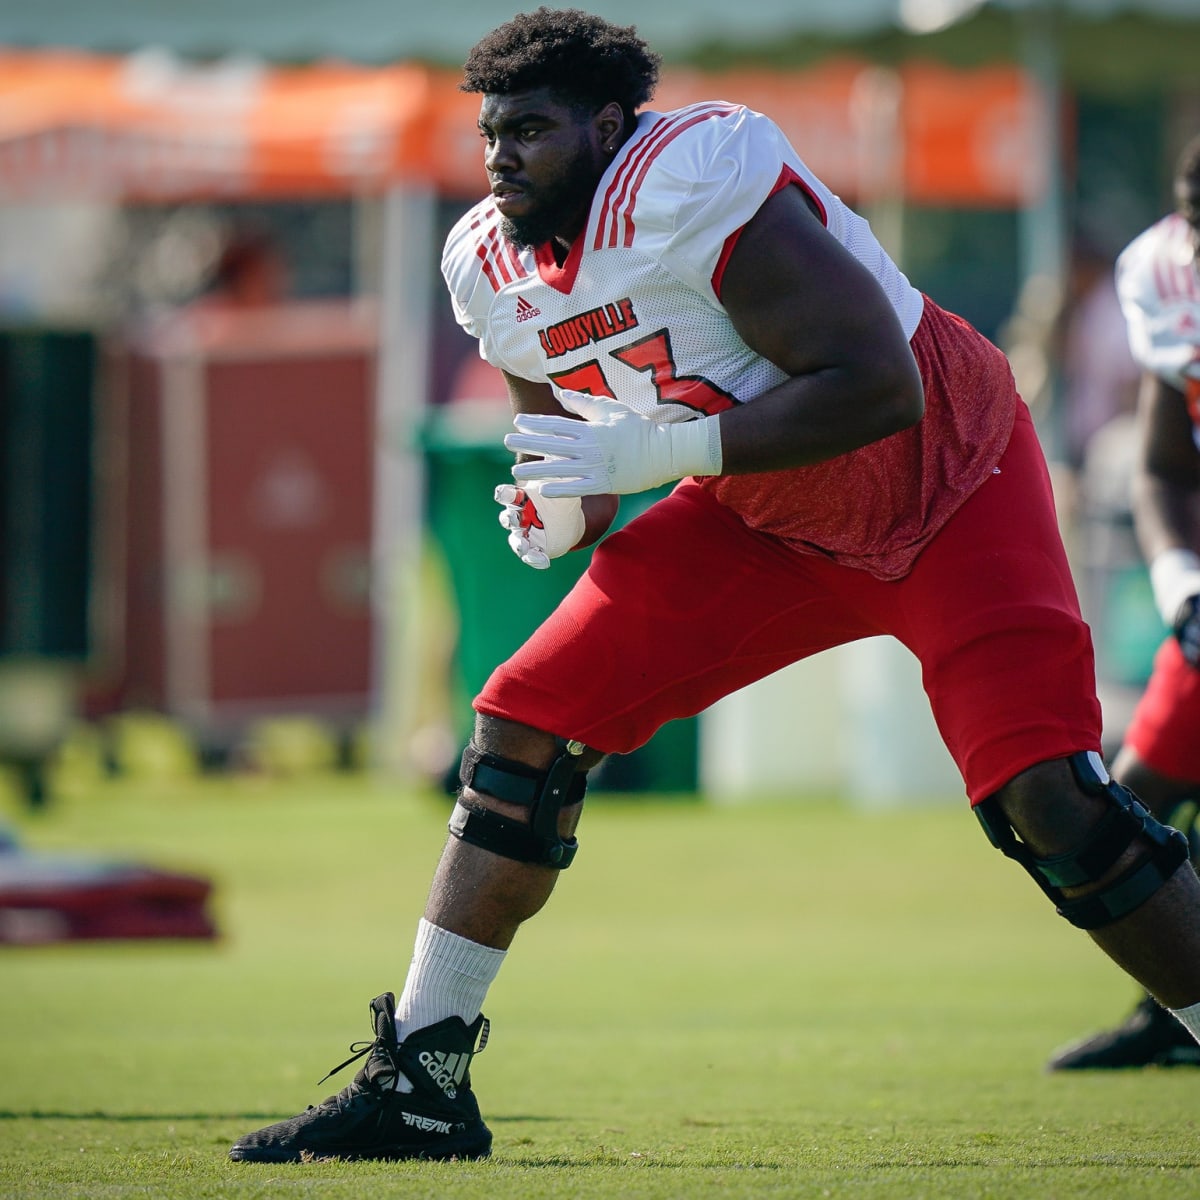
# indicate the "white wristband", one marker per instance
pixel 696 447
pixel 1174 576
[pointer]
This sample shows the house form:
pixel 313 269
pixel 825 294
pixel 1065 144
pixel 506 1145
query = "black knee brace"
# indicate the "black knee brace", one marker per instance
pixel 544 793
pixel 1126 821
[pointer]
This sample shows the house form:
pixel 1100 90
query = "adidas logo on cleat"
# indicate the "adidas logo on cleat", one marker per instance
pixel 446 1070
pixel 426 1124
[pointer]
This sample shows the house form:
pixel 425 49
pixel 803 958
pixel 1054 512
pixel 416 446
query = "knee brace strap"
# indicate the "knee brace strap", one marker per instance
pixel 544 793
pixel 1125 822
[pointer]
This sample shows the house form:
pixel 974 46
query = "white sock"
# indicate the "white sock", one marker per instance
pixel 449 977
pixel 1190 1018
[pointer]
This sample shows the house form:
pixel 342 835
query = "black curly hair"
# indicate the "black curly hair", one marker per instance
pixel 581 58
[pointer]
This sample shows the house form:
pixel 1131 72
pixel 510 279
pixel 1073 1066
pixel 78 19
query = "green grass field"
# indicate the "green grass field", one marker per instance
pixel 786 999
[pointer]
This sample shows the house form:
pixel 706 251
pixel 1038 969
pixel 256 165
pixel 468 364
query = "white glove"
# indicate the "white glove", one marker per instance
pixel 613 449
pixel 1175 578
pixel 539 528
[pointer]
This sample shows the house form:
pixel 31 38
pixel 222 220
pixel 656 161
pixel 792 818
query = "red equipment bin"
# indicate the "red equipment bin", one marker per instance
pixel 244 502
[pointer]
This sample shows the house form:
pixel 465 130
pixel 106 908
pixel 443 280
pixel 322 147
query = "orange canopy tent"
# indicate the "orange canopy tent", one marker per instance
pixel 151 127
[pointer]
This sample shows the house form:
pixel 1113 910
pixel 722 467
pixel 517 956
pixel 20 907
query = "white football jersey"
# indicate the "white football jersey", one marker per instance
pixel 634 312
pixel 1159 286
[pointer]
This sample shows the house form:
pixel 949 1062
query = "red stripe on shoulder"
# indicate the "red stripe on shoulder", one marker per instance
pixel 615 223
pixel 499 261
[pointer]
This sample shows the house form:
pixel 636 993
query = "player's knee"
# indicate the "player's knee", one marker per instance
pixel 521 792
pixel 1047 808
pixel 536 747
pixel 1091 846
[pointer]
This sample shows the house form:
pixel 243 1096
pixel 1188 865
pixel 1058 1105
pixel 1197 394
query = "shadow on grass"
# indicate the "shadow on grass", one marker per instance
pixel 899 1162
pixel 507 1159
pixel 39 1115
pixel 645 1163
pixel 33 1114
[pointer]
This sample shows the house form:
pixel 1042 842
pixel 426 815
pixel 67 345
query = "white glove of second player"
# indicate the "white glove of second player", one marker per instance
pixel 1175 578
pixel 539 527
pixel 612 450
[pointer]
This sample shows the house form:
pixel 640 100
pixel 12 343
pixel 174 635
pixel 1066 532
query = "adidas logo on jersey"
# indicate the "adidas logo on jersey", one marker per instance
pixel 426 1124
pixel 446 1070
pixel 526 311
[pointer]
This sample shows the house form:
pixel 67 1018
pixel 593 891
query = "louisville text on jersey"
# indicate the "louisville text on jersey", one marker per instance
pixel 592 326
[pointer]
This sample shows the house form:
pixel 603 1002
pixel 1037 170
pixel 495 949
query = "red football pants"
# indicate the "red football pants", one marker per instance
pixel 1165 729
pixel 685 605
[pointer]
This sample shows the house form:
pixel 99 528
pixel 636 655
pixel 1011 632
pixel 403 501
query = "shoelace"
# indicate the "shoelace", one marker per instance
pixel 341 1100
pixel 359 1050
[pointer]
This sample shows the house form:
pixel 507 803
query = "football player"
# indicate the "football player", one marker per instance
pixel 1159 286
pixel 676 296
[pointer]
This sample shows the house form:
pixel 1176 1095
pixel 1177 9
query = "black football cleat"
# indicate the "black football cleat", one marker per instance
pixel 1149 1037
pixel 369 1118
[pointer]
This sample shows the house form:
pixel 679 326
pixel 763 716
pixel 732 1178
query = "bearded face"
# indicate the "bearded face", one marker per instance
pixel 544 160
pixel 554 204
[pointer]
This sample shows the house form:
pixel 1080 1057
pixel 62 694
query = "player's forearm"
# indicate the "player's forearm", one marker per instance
pixel 1165 515
pixel 1166 481
pixel 811 418
pixel 1164 519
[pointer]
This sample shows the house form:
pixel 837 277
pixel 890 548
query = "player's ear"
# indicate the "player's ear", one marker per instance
pixel 609 124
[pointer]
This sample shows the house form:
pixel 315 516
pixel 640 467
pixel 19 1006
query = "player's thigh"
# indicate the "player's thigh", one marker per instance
pixel 681 607
pixel 992 613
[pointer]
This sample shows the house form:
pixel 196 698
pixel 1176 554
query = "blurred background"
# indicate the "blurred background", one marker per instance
pixel 245 501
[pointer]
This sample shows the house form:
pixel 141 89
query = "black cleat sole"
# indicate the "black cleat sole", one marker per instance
pixel 471 1148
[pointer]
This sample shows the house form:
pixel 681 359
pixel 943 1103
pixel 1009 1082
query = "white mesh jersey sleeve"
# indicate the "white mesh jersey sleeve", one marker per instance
pixel 1159 287
pixel 702 188
pixel 477 263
